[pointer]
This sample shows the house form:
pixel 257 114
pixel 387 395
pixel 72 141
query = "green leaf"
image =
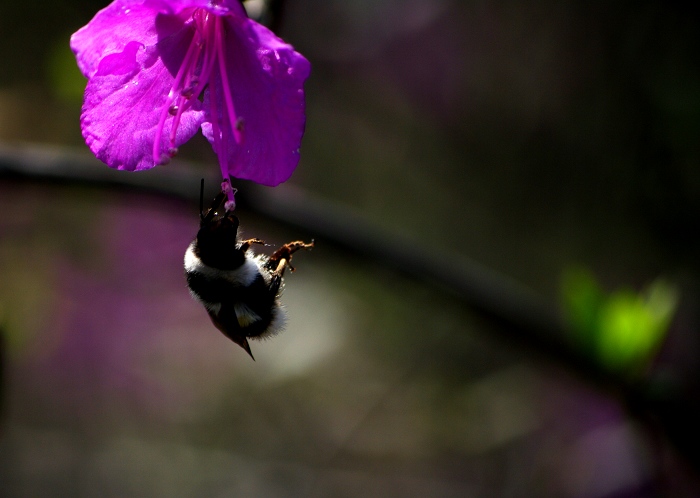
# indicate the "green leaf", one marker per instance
pixel 583 299
pixel 66 80
pixel 632 326
pixel 623 330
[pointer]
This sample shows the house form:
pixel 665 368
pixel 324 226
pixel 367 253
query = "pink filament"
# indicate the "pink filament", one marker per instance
pixel 230 110
pixel 204 60
pixel 172 96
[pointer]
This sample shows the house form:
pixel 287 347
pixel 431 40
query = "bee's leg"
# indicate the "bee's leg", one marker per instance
pixel 275 284
pixel 245 245
pixel 282 257
pixel 281 266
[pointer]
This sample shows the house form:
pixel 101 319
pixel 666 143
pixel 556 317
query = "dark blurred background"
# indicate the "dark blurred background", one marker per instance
pixel 555 143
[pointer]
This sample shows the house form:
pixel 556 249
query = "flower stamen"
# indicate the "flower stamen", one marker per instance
pixel 185 68
pixel 230 109
pixel 205 57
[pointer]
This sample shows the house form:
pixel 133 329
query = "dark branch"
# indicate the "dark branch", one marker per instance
pixel 523 317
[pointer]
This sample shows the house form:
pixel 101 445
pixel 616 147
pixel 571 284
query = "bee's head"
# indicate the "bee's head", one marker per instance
pixel 217 241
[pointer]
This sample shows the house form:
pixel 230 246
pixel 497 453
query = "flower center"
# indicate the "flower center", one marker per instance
pixel 203 64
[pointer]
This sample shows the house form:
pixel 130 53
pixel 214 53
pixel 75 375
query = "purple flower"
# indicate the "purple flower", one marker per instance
pixel 159 69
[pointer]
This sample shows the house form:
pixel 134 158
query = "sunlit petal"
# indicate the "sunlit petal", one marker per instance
pixel 123 106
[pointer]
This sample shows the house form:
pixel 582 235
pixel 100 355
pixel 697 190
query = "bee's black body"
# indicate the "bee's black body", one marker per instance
pixel 239 289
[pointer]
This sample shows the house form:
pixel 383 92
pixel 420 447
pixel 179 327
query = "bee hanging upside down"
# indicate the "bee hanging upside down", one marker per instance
pixel 239 289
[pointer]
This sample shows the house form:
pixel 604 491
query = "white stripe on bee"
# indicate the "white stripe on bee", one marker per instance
pixel 242 276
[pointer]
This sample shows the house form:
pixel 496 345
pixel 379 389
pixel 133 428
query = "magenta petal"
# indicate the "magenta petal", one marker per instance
pixel 219 7
pixel 266 78
pixel 124 102
pixel 109 31
pixel 124 21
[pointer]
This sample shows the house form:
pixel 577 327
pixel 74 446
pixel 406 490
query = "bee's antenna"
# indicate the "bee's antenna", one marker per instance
pixel 206 218
pixel 201 201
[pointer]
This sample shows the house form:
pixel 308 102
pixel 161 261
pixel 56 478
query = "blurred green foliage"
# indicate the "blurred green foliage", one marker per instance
pixel 624 329
pixel 66 80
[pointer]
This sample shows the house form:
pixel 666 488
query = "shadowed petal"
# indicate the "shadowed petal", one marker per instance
pixel 124 103
pixel 124 21
pixel 266 78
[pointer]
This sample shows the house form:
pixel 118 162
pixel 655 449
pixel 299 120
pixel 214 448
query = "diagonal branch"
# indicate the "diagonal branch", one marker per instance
pixel 522 316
